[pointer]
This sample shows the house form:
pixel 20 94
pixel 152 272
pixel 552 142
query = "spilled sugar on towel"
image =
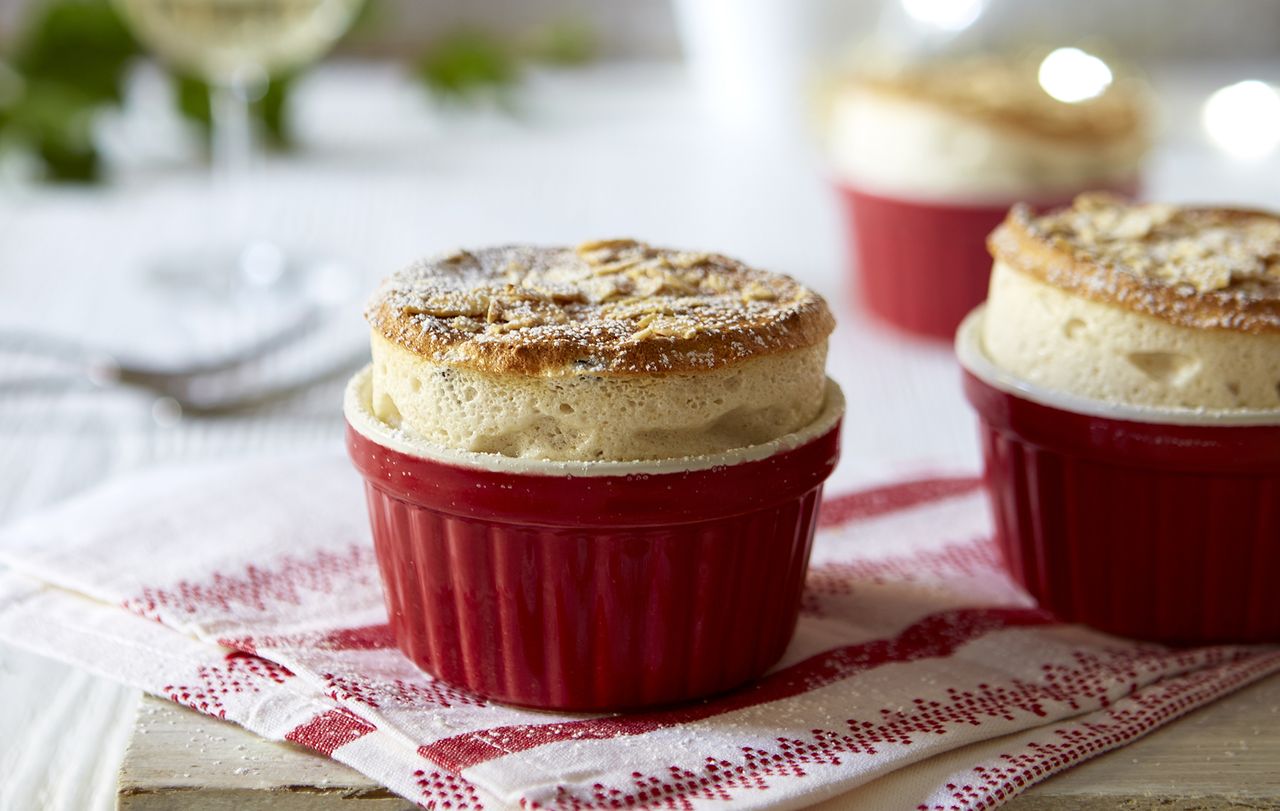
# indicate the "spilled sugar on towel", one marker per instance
pixel 920 676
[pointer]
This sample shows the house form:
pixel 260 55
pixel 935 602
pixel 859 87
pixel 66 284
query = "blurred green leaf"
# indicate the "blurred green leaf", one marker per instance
pixel 78 43
pixel 469 63
pixel 566 43
pixel 55 120
pixel 273 110
pixel 69 62
pixel 193 100
pixel 369 17
pixel 270 111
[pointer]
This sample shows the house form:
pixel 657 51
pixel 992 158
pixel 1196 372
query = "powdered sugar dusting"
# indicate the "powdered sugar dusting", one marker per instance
pixel 1201 267
pixel 606 307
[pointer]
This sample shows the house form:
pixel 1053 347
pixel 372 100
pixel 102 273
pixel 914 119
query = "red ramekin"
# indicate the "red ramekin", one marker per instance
pixel 922 266
pixel 592 586
pixel 1160 524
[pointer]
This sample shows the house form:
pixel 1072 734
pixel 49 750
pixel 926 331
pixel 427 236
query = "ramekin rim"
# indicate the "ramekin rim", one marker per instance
pixel 978 200
pixel 973 359
pixel 361 419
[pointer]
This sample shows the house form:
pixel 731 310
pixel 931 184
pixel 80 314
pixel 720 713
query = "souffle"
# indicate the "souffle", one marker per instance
pixel 1149 305
pixel 613 350
pixel 982 129
pixel 928 159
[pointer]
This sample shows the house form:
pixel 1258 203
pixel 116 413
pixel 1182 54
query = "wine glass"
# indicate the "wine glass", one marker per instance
pixel 236 46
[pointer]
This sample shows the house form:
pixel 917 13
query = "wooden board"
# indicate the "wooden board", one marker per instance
pixel 180 760
pixel 1225 756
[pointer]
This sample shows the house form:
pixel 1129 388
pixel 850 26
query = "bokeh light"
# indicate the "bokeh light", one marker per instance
pixel 1072 75
pixel 948 15
pixel 1243 119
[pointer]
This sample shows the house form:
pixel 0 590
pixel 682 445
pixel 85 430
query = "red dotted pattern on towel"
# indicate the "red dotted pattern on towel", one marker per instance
pixel 368 637
pixel 378 694
pixel 241 673
pixel 935 636
pixel 260 589
pixel 1101 677
pixel 328 731
pixel 441 790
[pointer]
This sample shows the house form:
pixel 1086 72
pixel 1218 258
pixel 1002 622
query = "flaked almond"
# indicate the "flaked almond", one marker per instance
pixel 449 309
pixel 602 251
pixel 675 329
pixel 685 260
pixel 617 266
pixel 494 312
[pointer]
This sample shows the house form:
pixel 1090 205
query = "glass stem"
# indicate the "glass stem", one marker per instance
pixel 232 132
pixel 232 148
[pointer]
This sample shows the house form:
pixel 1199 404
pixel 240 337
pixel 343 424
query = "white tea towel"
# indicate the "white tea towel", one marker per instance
pixel 913 643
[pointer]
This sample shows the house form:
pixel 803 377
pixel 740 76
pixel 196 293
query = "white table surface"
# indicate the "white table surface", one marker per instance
pixel 383 176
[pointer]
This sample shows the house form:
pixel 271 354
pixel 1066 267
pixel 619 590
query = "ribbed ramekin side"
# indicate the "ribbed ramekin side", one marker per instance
pixel 1172 556
pixel 566 619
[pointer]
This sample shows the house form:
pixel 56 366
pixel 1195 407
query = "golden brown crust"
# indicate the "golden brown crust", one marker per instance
pixel 614 307
pixel 1005 93
pixel 1207 268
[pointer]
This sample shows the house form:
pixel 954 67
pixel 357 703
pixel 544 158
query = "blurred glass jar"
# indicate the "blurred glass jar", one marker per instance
pixel 947 116
pixel 753 63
